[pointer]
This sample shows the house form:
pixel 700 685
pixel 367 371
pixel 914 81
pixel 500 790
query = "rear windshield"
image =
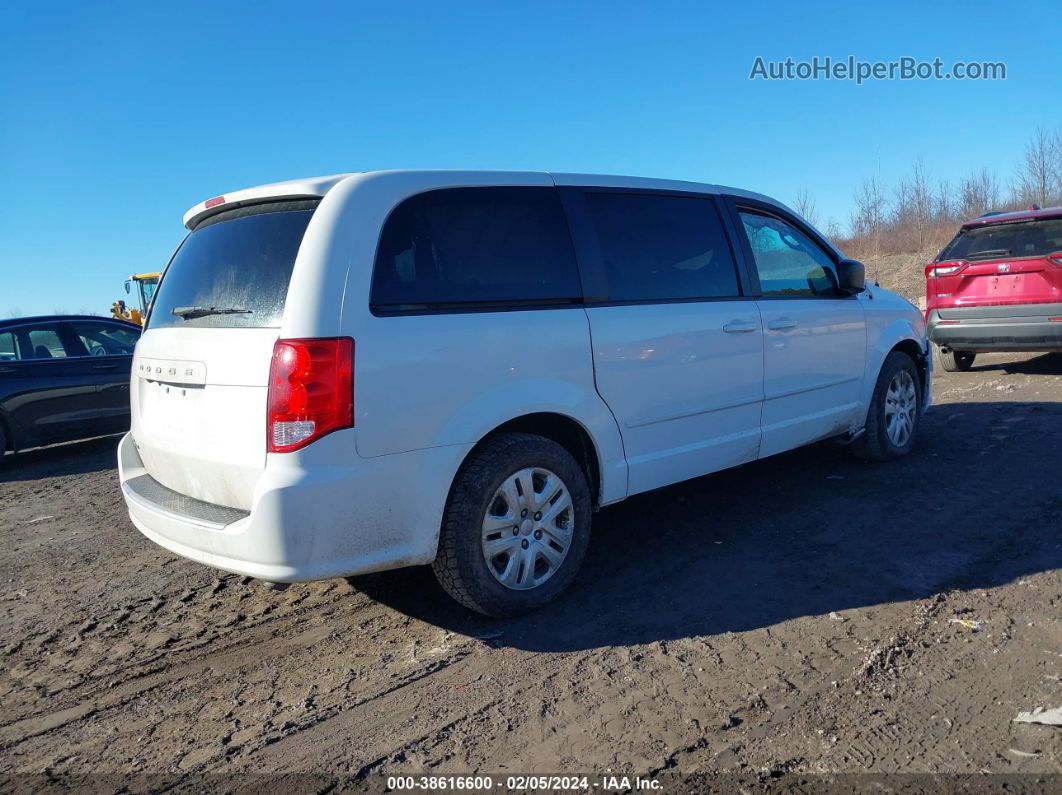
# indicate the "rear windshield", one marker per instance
pixel 233 270
pixel 1022 239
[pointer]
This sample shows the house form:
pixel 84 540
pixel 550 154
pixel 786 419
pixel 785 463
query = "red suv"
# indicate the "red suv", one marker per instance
pixel 997 286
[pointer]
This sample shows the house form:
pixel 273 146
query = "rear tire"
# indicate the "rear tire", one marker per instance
pixel 953 361
pixel 506 568
pixel 895 411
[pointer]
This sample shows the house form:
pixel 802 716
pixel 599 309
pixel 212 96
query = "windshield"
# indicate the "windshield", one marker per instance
pixel 147 289
pixel 233 269
pixel 1021 239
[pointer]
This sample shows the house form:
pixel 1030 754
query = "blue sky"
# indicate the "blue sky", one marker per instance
pixel 119 116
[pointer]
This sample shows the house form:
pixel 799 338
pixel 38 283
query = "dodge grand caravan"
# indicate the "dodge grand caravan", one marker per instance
pixel 997 286
pixel 366 371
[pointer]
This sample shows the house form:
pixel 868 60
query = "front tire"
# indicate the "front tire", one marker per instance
pixel 895 411
pixel 953 361
pixel 516 526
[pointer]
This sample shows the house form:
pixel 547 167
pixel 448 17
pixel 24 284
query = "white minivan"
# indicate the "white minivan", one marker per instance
pixel 360 372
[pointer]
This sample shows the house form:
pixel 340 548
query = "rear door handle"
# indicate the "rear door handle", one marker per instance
pixel 105 367
pixel 782 323
pixel 739 327
pixel 7 369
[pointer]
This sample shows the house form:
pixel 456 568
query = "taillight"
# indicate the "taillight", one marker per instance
pixel 944 269
pixel 311 391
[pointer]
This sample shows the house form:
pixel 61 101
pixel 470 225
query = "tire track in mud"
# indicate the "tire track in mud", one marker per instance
pixel 570 727
pixel 241 633
pixel 224 660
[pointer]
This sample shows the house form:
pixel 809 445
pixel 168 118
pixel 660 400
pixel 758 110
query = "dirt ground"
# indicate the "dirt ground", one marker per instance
pixel 763 626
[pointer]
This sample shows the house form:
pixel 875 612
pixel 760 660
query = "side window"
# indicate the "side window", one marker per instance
pixel 787 260
pixel 467 246
pixel 40 343
pixel 662 247
pixel 8 351
pixel 105 339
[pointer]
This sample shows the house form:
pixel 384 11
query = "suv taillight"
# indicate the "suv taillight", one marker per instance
pixel 944 269
pixel 311 391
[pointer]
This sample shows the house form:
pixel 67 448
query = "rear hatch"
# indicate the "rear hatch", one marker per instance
pixel 998 264
pixel 201 370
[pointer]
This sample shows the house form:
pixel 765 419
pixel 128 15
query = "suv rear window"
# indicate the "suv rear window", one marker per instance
pixel 1021 239
pixel 239 260
pixel 465 248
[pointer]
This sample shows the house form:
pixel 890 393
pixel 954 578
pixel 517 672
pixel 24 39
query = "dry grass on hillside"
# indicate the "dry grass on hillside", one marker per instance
pixel 901 273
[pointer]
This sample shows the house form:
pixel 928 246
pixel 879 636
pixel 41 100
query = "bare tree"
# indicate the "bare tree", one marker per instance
pixel 832 230
pixel 805 205
pixel 978 194
pixel 943 206
pixel 868 217
pixel 913 208
pixel 1039 176
pixel 14 312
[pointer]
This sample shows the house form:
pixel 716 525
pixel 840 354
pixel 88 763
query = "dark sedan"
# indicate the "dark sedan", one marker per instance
pixel 63 377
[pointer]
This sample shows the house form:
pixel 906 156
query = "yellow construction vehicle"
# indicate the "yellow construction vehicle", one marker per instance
pixel 145 289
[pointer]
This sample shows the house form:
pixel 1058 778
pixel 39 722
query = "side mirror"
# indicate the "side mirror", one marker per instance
pixel 851 276
pixel 127 288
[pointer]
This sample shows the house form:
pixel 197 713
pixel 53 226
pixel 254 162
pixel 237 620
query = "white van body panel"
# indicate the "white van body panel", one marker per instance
pixel 458 378
pixel 814 369
pixel 891 320
pixel 686 393
pixel 197 404
pixel 661 392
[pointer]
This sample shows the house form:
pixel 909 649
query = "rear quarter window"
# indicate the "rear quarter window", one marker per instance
pixel 662 248
pixel 239 261
pixel 467 248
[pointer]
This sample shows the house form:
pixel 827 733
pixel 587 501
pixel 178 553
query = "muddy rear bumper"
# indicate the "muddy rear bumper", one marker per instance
pixel 1027 327
pixel 305 524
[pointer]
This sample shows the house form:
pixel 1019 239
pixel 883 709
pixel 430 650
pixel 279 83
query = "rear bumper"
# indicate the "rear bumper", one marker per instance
pixel 305 524
pixel 1025 327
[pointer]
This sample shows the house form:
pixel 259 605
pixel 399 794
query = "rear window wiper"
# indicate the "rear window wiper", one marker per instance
pixel 192 312
pixel 989 253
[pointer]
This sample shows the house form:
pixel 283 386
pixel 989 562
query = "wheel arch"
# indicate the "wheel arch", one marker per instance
pixel 563 429
pixel 902 335
pixel 921 361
